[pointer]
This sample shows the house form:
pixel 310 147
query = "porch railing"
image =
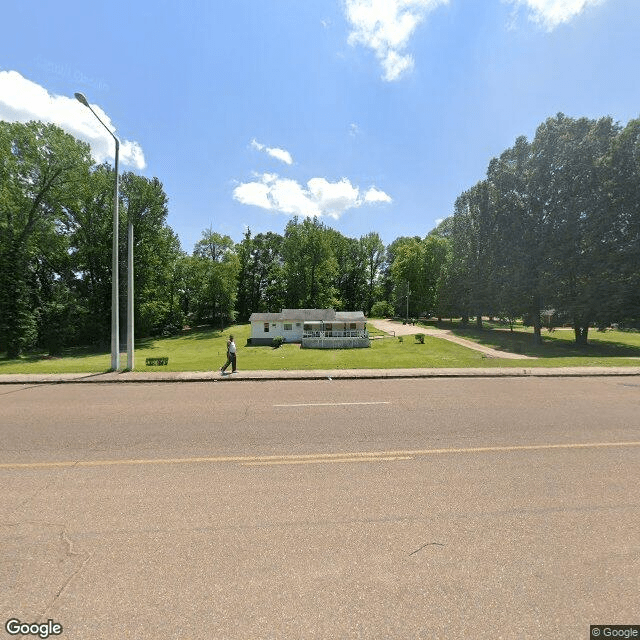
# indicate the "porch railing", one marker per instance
pixel 336 334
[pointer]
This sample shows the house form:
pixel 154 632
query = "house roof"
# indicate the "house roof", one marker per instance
pixel 309 315
pixel 265 317
pixel 350 316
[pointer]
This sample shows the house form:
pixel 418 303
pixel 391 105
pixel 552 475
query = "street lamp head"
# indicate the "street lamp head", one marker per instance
pixel 80 98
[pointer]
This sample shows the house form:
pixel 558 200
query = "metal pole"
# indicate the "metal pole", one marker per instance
pixel 115 280
pixel 130 349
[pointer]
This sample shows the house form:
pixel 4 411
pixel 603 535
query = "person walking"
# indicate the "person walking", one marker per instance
pixel 231 356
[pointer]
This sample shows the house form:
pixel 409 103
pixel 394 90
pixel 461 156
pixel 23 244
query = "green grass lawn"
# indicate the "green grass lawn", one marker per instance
pixel 558 348
pixel 204 349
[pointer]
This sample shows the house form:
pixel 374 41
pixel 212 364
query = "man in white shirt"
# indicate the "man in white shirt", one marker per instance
pixel 231 355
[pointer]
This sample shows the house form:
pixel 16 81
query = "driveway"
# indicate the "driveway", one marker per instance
pixel 399 329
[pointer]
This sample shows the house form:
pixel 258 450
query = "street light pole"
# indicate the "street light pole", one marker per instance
pixel 130 349
pixel 115 315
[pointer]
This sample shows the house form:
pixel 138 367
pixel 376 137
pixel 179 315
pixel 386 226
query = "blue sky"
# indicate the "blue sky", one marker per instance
pixel 373 114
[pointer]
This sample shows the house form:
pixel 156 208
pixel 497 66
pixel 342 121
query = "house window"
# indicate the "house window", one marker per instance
pixel 266 327
pixel 308 327
pixel 288 327
pixel 298 324
pixel 328 326
pixel 352 325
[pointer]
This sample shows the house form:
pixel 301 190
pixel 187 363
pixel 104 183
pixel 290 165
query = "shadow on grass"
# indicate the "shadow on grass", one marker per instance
pixel 553 346
pixel 202 333
pixel 196 333
pixel 43 356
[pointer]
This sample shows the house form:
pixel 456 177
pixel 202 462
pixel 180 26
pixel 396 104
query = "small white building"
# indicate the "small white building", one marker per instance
pixel 313 328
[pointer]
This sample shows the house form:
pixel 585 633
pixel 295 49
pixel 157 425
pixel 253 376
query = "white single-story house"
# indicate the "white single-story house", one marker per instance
pixel 313 328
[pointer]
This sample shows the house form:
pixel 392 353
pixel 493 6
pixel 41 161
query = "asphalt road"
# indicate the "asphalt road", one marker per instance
pixel 431 508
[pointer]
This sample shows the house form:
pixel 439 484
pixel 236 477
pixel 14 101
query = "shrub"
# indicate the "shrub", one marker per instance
pixel 420 338
pixel 381 309
pixel 277 342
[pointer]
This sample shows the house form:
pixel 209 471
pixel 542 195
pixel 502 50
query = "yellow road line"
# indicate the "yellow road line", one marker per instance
pixel 319 460
pixel 356 455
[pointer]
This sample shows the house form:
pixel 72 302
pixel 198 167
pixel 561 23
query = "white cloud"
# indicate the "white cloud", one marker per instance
pixel 386 26
pixel 319 198
pixel 274 152
pixel 254 193
pixel 22 100
pixel 375 195
pixel 334 198
pixel 551 13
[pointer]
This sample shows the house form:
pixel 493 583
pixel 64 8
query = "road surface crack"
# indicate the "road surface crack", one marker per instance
pixel 66 583
pixel 428 544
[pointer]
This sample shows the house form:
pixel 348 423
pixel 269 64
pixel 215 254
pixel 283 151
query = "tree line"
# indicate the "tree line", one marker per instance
pixel 552 231
pixel 554 228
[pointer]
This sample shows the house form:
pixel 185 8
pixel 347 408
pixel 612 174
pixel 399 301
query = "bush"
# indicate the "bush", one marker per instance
pixel 277 342
pixel 381 309
pixel 420 338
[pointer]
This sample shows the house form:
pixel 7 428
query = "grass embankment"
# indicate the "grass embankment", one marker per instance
pixel 204 349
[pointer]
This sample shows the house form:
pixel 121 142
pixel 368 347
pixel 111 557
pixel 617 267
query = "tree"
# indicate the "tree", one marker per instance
pixel 41 170
pixel 619 230
pixel 436 256
pixel 261 278
pixel 381 309
pixel 214 269
pixel 388 282
pixel 350 280
pixel 156 255
pixel 517 251
pixel 309 265
pixel 245 301
pixel 473 240
pixel 566 182
pixel 374 253
pixel 408 273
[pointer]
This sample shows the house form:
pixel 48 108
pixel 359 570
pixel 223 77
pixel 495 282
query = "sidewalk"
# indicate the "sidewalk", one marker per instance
pixel 336 374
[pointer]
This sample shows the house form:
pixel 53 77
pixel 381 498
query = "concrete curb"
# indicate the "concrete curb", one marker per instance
pixel 337 374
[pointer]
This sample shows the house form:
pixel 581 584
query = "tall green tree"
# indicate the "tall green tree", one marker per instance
pixel 156 254
pixel 261 286
pixel 373 250
pixel 388 280
pixel 90 241
pixel 517 255
pixel 473 237
pixel 214 269
pixel 408 272
pixel 41 169
pixel 309 267
pixel 566 182
pixel 619 227
pixel 350 280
